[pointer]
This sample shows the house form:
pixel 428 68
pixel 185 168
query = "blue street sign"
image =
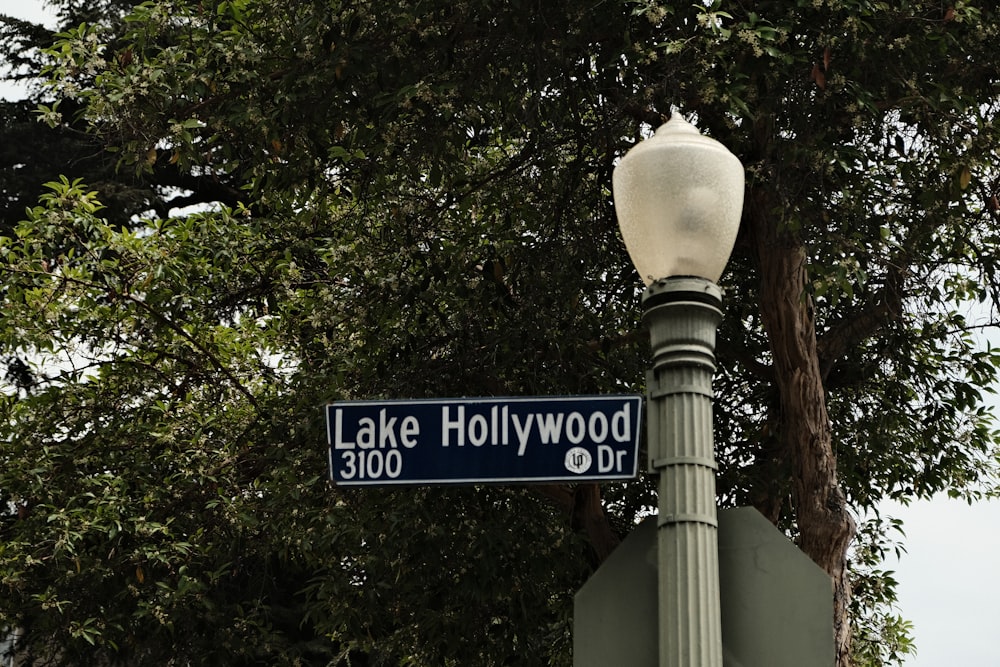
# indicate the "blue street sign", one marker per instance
pixel 484 440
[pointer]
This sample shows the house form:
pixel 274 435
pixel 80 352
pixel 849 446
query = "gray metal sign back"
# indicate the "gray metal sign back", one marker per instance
pixel 777 605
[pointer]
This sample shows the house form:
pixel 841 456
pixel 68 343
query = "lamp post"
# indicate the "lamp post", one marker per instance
pixel 679 198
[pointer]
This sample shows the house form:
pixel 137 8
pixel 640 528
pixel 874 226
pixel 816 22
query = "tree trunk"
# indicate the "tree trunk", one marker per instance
pixel 825 525
pixel 583 504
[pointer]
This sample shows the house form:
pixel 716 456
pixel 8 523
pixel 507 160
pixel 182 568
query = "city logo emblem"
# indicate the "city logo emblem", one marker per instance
pixel 578 460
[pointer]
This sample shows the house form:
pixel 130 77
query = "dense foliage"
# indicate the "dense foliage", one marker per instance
pixel 411 199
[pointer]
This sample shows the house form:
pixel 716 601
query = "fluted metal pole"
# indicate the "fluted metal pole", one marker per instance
pixel 683 314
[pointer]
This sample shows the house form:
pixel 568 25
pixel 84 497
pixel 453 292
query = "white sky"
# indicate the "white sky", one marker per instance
pixel 32 10
pixel 25 9
pixel 949 584
pixel 949 579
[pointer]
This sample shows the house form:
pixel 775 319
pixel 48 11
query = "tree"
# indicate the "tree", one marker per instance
pixel 34 153
pixel 411 199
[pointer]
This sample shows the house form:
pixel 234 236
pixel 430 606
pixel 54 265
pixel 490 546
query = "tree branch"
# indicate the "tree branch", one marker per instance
pixel 855 327
pixel 586 511
pixel 193 342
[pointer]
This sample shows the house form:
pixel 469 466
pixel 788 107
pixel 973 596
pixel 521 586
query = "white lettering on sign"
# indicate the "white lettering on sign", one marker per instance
pixel 372 464
pixel 576 429
pixel 479 431
pixel 408 432
pixel 338 431
pixel 609 460
pixel 597 427
pixel 447 425
pixel 621 424
pixel 523 433
pixel 371 434
pixel 549 427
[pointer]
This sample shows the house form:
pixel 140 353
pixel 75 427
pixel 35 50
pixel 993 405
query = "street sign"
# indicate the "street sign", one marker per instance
pixel 484 440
